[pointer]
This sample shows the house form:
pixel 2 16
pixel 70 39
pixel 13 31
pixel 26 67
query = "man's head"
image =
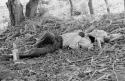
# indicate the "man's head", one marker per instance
pixel 82 34
pixel 86 41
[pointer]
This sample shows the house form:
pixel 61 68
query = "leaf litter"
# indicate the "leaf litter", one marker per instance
pixel 65 64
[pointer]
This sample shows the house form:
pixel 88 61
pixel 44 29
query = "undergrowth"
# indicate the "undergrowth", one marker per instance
pixel 65 64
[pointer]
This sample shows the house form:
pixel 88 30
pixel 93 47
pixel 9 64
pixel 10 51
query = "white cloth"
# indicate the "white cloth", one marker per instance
pixel 71 39
pixel 74 40
pixel 85 43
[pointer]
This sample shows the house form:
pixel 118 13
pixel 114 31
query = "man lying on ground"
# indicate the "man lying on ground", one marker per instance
pixel 49 42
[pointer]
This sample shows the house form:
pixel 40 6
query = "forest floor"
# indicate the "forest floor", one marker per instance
pixel 65 64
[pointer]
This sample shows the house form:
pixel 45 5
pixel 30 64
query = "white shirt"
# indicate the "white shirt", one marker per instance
pixel 74 40
pixel 71 39
pixel 85 43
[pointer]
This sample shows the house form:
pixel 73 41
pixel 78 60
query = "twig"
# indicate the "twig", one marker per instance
pixel 14 52
pixel 91 28
pixel 119 29
pixel 113 66
pixel 3 48
pixel 92 75
pixel 100 53
pixel 105 75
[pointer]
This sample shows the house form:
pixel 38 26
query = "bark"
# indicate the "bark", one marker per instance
pixel 31 8
pixel 124 5
pixel 15 12
pixel 71 7
pixel 107 5
pixel 90 7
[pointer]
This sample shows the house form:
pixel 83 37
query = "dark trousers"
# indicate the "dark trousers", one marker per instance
pixel 48 43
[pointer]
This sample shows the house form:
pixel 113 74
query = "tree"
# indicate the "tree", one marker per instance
pixel 90 7
pixel 71 7
pixel 15 11
pixel 107 5
pixel 124 5
pixel 31 8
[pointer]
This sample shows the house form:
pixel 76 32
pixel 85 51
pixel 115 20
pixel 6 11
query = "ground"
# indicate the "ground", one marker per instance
pixel 64 64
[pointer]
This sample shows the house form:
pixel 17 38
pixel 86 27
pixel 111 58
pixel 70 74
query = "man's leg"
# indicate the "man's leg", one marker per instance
pixel 36 52
pixel 47 38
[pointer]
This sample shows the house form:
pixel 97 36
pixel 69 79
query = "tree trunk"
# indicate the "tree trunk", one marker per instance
pixel 107 5
pixel 31 8
pixel 90 7
pixel 71 7
pixel 15 11
pixel 124 5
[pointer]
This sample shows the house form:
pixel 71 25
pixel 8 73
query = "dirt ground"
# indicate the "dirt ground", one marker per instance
pixel 64 64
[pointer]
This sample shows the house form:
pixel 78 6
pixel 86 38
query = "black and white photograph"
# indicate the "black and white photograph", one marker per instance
pixel 62 40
